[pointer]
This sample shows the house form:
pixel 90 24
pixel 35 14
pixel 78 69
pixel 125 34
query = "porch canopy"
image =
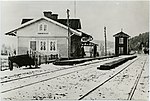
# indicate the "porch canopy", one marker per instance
pixel 88 43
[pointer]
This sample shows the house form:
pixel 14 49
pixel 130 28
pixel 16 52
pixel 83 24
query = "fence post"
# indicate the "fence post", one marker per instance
pixel 1 64
pixel 36 60
pixel 51 56
pixel 46 59
pixel 56 56
pixel 39 59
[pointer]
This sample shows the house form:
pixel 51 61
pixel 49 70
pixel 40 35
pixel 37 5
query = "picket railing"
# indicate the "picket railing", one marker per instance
pixel 31 58
pixel 41 58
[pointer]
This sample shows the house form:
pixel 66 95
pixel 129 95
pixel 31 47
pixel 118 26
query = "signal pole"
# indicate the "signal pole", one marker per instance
pixel 68 33
pixel 105 41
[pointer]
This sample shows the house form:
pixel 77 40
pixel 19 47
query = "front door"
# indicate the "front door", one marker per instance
pixel 121 49
pixel 33 45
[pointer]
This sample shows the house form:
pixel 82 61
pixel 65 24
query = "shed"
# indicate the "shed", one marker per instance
pixel 121 43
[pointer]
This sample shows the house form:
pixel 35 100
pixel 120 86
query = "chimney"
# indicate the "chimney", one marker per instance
pixel 54 16
pixel 47 14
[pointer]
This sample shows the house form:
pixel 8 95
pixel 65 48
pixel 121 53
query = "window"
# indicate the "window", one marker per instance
pixel 40 27
pixel 43 27
pixel 53 45
pixel 120 40
pixel 43 45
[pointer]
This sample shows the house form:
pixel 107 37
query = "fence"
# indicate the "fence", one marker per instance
pixel 41 58
pixel 4 63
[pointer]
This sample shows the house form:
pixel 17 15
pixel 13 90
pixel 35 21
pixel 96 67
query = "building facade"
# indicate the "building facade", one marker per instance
pixel 49 36
pixel 121 43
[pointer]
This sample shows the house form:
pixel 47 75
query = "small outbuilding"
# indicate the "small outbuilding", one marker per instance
pixel 121 43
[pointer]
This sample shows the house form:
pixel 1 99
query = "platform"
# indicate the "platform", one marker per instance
pixel 78 61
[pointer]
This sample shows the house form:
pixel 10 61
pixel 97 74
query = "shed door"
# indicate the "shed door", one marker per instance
pixel 120 50
pixel 33 45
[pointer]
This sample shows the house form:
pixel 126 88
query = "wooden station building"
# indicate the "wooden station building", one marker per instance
pixel 48 36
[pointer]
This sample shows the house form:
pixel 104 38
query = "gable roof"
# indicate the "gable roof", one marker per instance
pixel 43 18
pixel 121 34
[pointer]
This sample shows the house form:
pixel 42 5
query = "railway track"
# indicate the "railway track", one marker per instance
pixel 136 83
pixel 108 79
pixel 15 88
pixel 5 81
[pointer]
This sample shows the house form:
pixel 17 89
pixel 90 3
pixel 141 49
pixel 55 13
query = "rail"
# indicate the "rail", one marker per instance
pixel 136 83
pixel 50 78
pixel 105 81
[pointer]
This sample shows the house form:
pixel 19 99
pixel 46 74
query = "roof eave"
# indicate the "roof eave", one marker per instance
pixel 121 33
pixel 50 20
pixel 119 36
pixel 13 33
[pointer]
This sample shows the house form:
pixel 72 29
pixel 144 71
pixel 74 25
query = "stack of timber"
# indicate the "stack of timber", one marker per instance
pixel 116 63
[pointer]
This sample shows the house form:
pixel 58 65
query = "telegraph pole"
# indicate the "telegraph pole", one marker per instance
pixel 68 33
pixel 75 8
pixel 105 41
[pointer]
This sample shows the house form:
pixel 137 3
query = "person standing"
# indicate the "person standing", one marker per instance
pixel 82 52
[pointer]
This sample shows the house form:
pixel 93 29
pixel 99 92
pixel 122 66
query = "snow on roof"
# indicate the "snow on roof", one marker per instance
pixel 38 19
pixel 121 34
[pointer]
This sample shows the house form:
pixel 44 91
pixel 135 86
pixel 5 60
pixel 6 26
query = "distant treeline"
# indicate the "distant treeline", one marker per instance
pixel 137 42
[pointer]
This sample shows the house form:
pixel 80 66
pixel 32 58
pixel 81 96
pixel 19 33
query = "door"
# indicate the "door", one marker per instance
pixel 33 45
pixel 120 50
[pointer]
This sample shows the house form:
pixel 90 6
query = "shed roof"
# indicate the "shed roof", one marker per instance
pixel 85 36
pixel 73 23
pixel 121 34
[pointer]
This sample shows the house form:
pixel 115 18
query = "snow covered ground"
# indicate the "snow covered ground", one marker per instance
pixel 26 71
pixel 75 85
pixel 119 87
pixel 142 91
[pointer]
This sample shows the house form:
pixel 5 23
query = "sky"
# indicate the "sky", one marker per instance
pixel 131 16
